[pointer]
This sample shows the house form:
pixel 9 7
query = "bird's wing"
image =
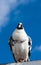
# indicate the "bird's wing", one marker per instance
pixel 30 43
pixel 11 42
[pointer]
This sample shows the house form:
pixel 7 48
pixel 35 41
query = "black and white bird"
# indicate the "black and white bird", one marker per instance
pixel 20 44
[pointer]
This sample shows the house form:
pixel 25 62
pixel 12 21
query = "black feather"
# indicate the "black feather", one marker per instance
pixel 29 43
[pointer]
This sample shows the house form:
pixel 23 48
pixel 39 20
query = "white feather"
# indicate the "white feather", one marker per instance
pixel 21 49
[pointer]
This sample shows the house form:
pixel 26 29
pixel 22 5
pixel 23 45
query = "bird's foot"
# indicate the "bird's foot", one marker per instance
pixel 21 60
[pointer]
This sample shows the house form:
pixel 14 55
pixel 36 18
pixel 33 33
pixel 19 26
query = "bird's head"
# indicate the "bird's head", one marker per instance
pixel 20 26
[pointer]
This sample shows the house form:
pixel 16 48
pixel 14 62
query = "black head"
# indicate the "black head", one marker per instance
pixel 20 26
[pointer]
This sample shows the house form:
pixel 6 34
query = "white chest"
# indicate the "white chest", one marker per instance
pixel 20 50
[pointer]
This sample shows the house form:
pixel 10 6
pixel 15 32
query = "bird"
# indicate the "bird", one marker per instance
pixel 20 44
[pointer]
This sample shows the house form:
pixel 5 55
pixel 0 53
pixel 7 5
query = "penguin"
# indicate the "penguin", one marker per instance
pixel 20 44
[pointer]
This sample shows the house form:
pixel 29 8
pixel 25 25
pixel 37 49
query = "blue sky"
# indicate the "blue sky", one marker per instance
pixel 29 13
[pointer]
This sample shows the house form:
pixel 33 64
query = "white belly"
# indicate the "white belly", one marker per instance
pixel 20 50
